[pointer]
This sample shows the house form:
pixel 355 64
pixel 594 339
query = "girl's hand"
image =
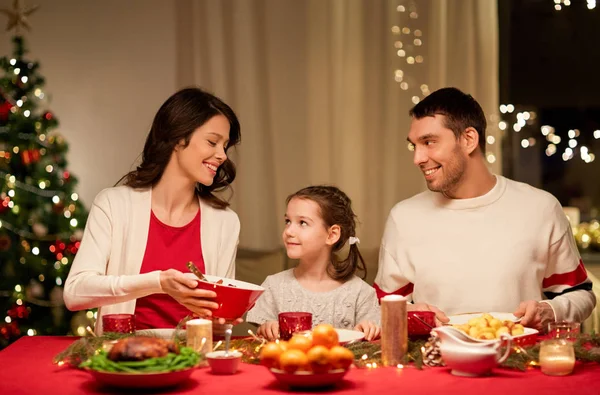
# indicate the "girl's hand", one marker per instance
pixel 269 330
pixel 219 326
pixel 370 330
pixel 223 321
pixel 183 290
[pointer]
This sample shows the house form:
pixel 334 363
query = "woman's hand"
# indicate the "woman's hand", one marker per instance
pixel 269 330
pixel 183 290
pixel 370 330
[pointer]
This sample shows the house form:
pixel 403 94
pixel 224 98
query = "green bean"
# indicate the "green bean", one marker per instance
pixel 171 362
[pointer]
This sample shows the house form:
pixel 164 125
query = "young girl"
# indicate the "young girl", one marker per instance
pixel 139 236
pixel 319 221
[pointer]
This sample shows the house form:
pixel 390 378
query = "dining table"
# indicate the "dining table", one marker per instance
pixel 27 367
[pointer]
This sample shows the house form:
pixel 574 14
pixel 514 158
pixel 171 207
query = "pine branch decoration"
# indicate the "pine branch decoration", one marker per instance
pixel 367 354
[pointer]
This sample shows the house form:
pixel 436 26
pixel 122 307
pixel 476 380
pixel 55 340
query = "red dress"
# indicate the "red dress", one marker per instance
pixel 167 247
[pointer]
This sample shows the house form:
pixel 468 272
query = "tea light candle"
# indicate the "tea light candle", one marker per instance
pixel 394 335
pixel 293 322
pixel 557 357
pixel 563 330
pixel 199 335
pixel 120 323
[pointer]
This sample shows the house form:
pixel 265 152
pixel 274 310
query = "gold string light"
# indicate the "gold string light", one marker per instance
pixel 559 4
pixel 524 119
pixel 409 46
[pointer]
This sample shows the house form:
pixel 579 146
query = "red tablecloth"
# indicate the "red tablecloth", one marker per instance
pixel 26 368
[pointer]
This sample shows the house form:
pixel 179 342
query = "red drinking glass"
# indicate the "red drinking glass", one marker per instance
pixel 292 322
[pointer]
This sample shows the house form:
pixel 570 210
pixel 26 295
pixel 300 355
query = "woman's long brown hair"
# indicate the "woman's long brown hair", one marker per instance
pixel 176 121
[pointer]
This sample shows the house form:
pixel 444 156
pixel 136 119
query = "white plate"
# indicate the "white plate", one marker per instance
pixel 163 333
pixel 460 319
pixel 346 335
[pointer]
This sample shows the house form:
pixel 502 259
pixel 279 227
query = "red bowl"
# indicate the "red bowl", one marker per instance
pixel 234 297
pixel 418 328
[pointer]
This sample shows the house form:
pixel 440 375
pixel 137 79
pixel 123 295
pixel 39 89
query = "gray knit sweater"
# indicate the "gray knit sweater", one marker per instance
pixel 344 307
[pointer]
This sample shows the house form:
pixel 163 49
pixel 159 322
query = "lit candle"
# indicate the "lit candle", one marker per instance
pixel 394 335
pixel 199 335
pixel 557 357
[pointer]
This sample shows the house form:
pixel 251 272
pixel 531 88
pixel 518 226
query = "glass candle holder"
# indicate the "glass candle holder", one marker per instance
pixel 292 322
pixel 121 323
pixel 557 357
pixel 563 330
pixel 199 335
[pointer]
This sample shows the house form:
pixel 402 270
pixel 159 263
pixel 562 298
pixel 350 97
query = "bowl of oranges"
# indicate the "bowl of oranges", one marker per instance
pixel 308 360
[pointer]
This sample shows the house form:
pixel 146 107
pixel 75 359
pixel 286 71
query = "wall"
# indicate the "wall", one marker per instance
pixel 108 68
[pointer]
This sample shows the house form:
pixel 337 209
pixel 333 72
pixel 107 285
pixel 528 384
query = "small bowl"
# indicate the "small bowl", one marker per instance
pixel 221 364
pixel 234 297
pixel 417 328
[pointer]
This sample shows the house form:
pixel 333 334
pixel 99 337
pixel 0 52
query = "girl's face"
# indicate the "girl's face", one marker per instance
pixel 305 235
pixel 204 154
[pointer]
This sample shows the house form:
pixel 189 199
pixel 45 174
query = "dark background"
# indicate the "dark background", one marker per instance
pixel 550 63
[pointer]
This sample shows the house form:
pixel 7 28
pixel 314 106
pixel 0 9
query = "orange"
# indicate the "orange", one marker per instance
pixel 269 355
pixel 283 344
pixel 325 335
pixel 293 360
pixel 318 359
pixel 341 357
pixel 299 342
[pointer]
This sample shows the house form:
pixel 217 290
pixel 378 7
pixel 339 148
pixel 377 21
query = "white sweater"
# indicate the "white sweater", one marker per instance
pixel 106 270
pixel 485 254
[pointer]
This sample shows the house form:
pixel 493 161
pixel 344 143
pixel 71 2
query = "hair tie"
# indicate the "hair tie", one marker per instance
pixel 353 240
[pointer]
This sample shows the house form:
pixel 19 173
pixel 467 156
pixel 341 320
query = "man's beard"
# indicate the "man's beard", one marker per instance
pixel 453 174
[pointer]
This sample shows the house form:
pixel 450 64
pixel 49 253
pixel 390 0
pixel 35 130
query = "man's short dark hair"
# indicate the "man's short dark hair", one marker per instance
pixel 459 109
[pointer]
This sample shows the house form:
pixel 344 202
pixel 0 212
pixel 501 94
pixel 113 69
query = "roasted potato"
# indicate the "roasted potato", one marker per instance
pixel 488 327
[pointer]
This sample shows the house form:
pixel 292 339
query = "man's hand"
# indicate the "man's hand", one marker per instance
pixel 269 330
pixel 370 330
pixel 535 315
pixel 440 316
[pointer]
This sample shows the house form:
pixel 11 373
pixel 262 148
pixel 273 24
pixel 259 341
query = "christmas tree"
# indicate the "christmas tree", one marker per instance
pixel 41 217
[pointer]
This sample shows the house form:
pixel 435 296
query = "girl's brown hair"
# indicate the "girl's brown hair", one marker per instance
pixel 176 120
pixel 336 209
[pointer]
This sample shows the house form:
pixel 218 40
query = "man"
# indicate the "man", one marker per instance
pixel 478 242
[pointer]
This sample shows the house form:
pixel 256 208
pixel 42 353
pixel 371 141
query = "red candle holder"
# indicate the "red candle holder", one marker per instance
pixel 121 323
pixel 292 322
pixel 420 323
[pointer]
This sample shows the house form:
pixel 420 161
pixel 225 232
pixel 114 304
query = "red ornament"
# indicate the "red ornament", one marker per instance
pixel 59 207
pixel 8 331
pixel 4 331
pixel 48 115
pixel 14 329
pixel 66 175
pixel 4 204
pixel 5 243
pixel 73 248
pixel 18 312
pixel 5 110
pixel 30 156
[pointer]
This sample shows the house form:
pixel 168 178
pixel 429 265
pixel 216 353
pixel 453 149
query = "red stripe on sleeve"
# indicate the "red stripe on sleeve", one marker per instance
pixel 404 291
pixel 573 278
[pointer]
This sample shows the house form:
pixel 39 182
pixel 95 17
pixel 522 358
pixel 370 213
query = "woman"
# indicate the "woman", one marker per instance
pixel 140 235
